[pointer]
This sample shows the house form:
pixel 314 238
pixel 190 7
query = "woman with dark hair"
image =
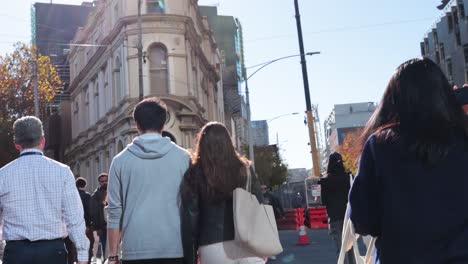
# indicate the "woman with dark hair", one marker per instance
pixel 411 188
pixel 335 189
pixel 206 195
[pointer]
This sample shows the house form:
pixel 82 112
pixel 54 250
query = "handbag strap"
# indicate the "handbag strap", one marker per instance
pixel 248 184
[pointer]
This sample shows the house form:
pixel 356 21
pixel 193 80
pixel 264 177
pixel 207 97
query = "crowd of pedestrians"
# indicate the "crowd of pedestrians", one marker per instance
pixel 160 204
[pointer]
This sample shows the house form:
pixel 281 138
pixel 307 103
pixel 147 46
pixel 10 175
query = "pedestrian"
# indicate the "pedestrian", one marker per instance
pixel 206 196
pixel 81 184
pixel 335 189
pixel 270 199
pixel 98 219
pixel 39 203
pixel 144 180
pixel 298 201
pixel 410 190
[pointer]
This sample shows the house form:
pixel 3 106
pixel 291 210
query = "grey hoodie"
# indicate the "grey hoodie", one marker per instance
pixel 143 188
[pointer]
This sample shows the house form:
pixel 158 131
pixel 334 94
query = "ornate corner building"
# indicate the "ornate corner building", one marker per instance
pixel 182 66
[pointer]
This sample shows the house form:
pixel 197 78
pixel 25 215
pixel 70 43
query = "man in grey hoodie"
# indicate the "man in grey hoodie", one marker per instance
pixel 143 188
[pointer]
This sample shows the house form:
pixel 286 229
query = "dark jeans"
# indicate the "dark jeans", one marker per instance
pixel 103 239
pixel 336 231
pixel 154 261
pixel 38 252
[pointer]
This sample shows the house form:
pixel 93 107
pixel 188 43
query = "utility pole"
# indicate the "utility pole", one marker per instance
pixel 140 54
pixel 36 92
pixel 310 118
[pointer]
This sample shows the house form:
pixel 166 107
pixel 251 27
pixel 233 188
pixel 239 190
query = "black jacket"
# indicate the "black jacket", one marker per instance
pixel 204 223
pixel 98 220
pixel 86 199
pixel 417 211
pixel 335 190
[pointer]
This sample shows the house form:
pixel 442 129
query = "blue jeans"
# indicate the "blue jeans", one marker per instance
pixel 335 229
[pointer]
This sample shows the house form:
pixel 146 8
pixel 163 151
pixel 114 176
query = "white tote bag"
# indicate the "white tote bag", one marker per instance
pixel 349 239
pixel 255 223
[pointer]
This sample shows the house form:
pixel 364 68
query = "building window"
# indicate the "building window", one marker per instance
pixel 465 51
pixel 155 6
pixel 455 18
pixel 436 38
pixel 158 69
pixel 120 146
pixel 449 69
pixel 458 37
pixel 442 51
pixel 96 99
pixel 195 81
pixel 423 51
pixel 117 80
pixel 450 22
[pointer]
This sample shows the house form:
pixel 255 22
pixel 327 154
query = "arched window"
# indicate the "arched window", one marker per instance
pixel 155 6
pixel 117 80
pixel 158 69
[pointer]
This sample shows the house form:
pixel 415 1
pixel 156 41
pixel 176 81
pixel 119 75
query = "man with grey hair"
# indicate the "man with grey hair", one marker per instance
pixel 39 203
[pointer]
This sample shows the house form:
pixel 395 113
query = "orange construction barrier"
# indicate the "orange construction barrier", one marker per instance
pixel 318 217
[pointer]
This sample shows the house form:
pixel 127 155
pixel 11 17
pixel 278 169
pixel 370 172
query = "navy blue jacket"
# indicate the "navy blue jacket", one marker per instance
pixel 419 212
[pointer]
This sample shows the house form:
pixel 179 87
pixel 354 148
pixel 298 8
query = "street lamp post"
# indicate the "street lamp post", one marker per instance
pixel 140 54
pixel 247 95
pixel 276 117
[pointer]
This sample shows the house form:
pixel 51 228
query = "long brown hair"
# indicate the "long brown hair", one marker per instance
pixel 216 168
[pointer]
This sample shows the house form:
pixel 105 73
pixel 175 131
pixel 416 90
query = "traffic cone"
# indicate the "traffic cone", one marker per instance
pixel 303 238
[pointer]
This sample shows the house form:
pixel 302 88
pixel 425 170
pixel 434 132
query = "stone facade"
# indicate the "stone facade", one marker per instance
pixel 182 66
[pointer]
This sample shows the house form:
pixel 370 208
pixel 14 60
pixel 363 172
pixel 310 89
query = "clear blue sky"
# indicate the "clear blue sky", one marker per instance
pixel 362 42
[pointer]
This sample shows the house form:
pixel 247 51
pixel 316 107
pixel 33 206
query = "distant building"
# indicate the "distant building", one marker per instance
pixel 343 119
pixel 446 43
pixel 53 28
pixel 227 32
pixel 260 133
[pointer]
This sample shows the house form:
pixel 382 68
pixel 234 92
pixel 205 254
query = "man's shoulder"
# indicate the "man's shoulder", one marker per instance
pixel 56 163
pixel 181 151
pixel 18 162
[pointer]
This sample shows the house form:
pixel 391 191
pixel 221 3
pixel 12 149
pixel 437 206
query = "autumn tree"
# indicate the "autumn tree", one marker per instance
pixel 350 150
pixel 17 91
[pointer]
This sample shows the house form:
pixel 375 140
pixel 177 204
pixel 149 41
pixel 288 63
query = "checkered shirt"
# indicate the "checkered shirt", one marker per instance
pixel 39 201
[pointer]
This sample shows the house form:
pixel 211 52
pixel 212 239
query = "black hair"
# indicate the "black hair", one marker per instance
pixel 420 110
pixel 150 114
pixel 81 182
pixel 335 163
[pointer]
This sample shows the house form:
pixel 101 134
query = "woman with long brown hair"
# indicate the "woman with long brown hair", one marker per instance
pixel 410 190
pixel 216 170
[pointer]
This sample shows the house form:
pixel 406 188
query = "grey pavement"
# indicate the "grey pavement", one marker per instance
pixel 321 249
